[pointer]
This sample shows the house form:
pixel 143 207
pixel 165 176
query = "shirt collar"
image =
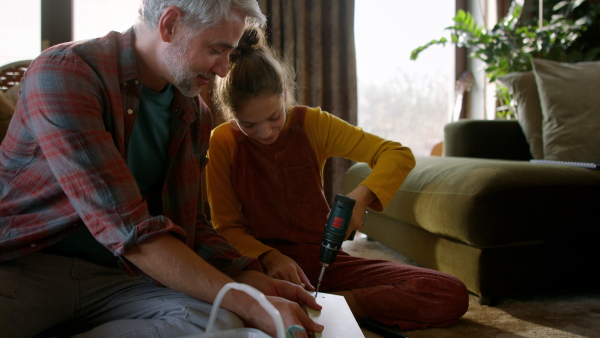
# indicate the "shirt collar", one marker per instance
pixel 127 66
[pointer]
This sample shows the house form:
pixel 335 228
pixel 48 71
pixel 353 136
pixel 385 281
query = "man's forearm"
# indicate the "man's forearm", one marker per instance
pixel 172 263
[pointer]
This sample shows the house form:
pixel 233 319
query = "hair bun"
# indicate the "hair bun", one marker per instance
pixel 251 39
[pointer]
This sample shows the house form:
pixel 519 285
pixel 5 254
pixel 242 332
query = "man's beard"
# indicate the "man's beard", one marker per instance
pixel 183 76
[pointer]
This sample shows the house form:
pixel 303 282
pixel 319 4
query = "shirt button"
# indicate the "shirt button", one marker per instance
pixel 129 111
pixel 136 81
pixel 33 245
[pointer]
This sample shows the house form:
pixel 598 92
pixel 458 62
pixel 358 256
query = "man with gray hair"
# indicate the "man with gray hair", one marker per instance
pixel 102 228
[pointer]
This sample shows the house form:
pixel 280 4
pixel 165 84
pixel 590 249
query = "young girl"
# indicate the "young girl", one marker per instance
pixel 265 188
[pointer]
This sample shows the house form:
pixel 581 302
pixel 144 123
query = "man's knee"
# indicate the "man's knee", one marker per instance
pixel 195 322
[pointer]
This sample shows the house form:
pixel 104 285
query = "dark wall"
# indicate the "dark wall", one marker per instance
pixel 57 22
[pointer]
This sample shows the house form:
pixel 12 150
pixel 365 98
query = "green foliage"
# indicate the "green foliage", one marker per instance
pixel 568 34
pixel 509 47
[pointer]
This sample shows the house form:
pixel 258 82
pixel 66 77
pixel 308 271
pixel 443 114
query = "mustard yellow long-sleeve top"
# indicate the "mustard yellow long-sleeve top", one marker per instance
pixel 329 136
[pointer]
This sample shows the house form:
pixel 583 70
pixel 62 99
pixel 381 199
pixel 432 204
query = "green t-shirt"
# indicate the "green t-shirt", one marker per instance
pixel 147 159
pixel 148 146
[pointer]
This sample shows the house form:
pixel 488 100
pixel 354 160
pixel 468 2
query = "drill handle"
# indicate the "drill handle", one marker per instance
pixel 351 238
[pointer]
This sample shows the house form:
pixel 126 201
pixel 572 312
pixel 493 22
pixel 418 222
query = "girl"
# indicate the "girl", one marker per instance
pixel 265 188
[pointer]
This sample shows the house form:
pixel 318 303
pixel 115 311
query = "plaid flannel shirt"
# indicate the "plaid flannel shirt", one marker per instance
pixel 62 163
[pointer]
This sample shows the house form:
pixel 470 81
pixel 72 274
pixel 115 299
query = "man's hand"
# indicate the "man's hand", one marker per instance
pixel 171 262
pixel 290 312
pixel 289 308
pixel 280 266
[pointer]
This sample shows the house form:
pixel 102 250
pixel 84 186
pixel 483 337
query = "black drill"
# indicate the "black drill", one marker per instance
pixel 335 232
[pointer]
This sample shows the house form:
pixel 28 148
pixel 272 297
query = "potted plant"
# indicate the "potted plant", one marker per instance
pixel 511 44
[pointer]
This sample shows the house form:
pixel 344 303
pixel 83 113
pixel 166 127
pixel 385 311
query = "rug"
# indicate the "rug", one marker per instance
pixel 565 315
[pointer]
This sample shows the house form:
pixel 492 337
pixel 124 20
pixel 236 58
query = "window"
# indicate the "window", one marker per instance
pixel 21 38
pixel 400 99
pixel 93 19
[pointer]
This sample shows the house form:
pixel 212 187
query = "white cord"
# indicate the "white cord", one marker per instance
pixel 259 296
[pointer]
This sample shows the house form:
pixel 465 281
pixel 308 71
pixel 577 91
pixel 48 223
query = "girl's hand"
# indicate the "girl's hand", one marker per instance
pixel 363 197
pixel 280 266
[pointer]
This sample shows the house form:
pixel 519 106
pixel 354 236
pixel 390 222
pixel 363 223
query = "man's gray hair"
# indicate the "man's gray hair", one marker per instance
pixel 199 15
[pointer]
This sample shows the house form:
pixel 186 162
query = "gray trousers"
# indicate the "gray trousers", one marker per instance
pixel 50 295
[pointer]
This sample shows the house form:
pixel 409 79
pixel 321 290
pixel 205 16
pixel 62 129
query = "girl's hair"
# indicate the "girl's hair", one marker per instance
pixel 254 70
pixel 199 15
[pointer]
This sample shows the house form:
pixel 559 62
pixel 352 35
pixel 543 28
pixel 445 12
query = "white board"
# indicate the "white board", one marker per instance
pixel 336 316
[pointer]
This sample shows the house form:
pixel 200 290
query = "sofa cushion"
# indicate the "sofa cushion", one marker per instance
pixel 496 203
pixel 494 139
pixel 529 110
pixel 571 109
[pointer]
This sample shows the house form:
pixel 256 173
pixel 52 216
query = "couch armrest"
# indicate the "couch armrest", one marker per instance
pixel 496 139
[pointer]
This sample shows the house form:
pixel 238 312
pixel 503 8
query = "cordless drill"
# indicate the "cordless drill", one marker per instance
pixel 335 232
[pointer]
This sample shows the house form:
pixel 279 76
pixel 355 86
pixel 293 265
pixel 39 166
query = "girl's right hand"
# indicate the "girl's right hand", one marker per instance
pixel 280 266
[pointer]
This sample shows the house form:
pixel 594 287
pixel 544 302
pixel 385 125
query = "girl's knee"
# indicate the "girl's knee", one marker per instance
pixel 436 300
pixel 449 300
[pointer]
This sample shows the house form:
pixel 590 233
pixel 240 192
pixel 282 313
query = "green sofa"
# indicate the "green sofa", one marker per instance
pixel 485 214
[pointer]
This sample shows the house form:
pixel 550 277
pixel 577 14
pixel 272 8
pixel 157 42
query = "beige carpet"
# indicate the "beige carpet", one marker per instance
pixel 575 315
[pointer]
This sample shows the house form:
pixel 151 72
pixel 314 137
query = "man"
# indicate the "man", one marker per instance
pixel 100 174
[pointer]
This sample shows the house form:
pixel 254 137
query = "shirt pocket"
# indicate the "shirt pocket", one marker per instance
pixel 302 183
pixel 10 275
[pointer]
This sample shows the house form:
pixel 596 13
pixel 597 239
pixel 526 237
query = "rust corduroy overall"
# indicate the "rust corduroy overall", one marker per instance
pixel 280 190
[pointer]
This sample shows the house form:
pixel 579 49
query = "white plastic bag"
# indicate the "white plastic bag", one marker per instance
pixel 242 332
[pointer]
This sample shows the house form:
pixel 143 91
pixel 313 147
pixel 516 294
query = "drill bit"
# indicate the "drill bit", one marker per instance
pixel 320 278
pixel 335 232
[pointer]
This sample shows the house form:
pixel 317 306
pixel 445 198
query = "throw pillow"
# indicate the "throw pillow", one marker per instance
pixel 529 110
pixel 570 101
